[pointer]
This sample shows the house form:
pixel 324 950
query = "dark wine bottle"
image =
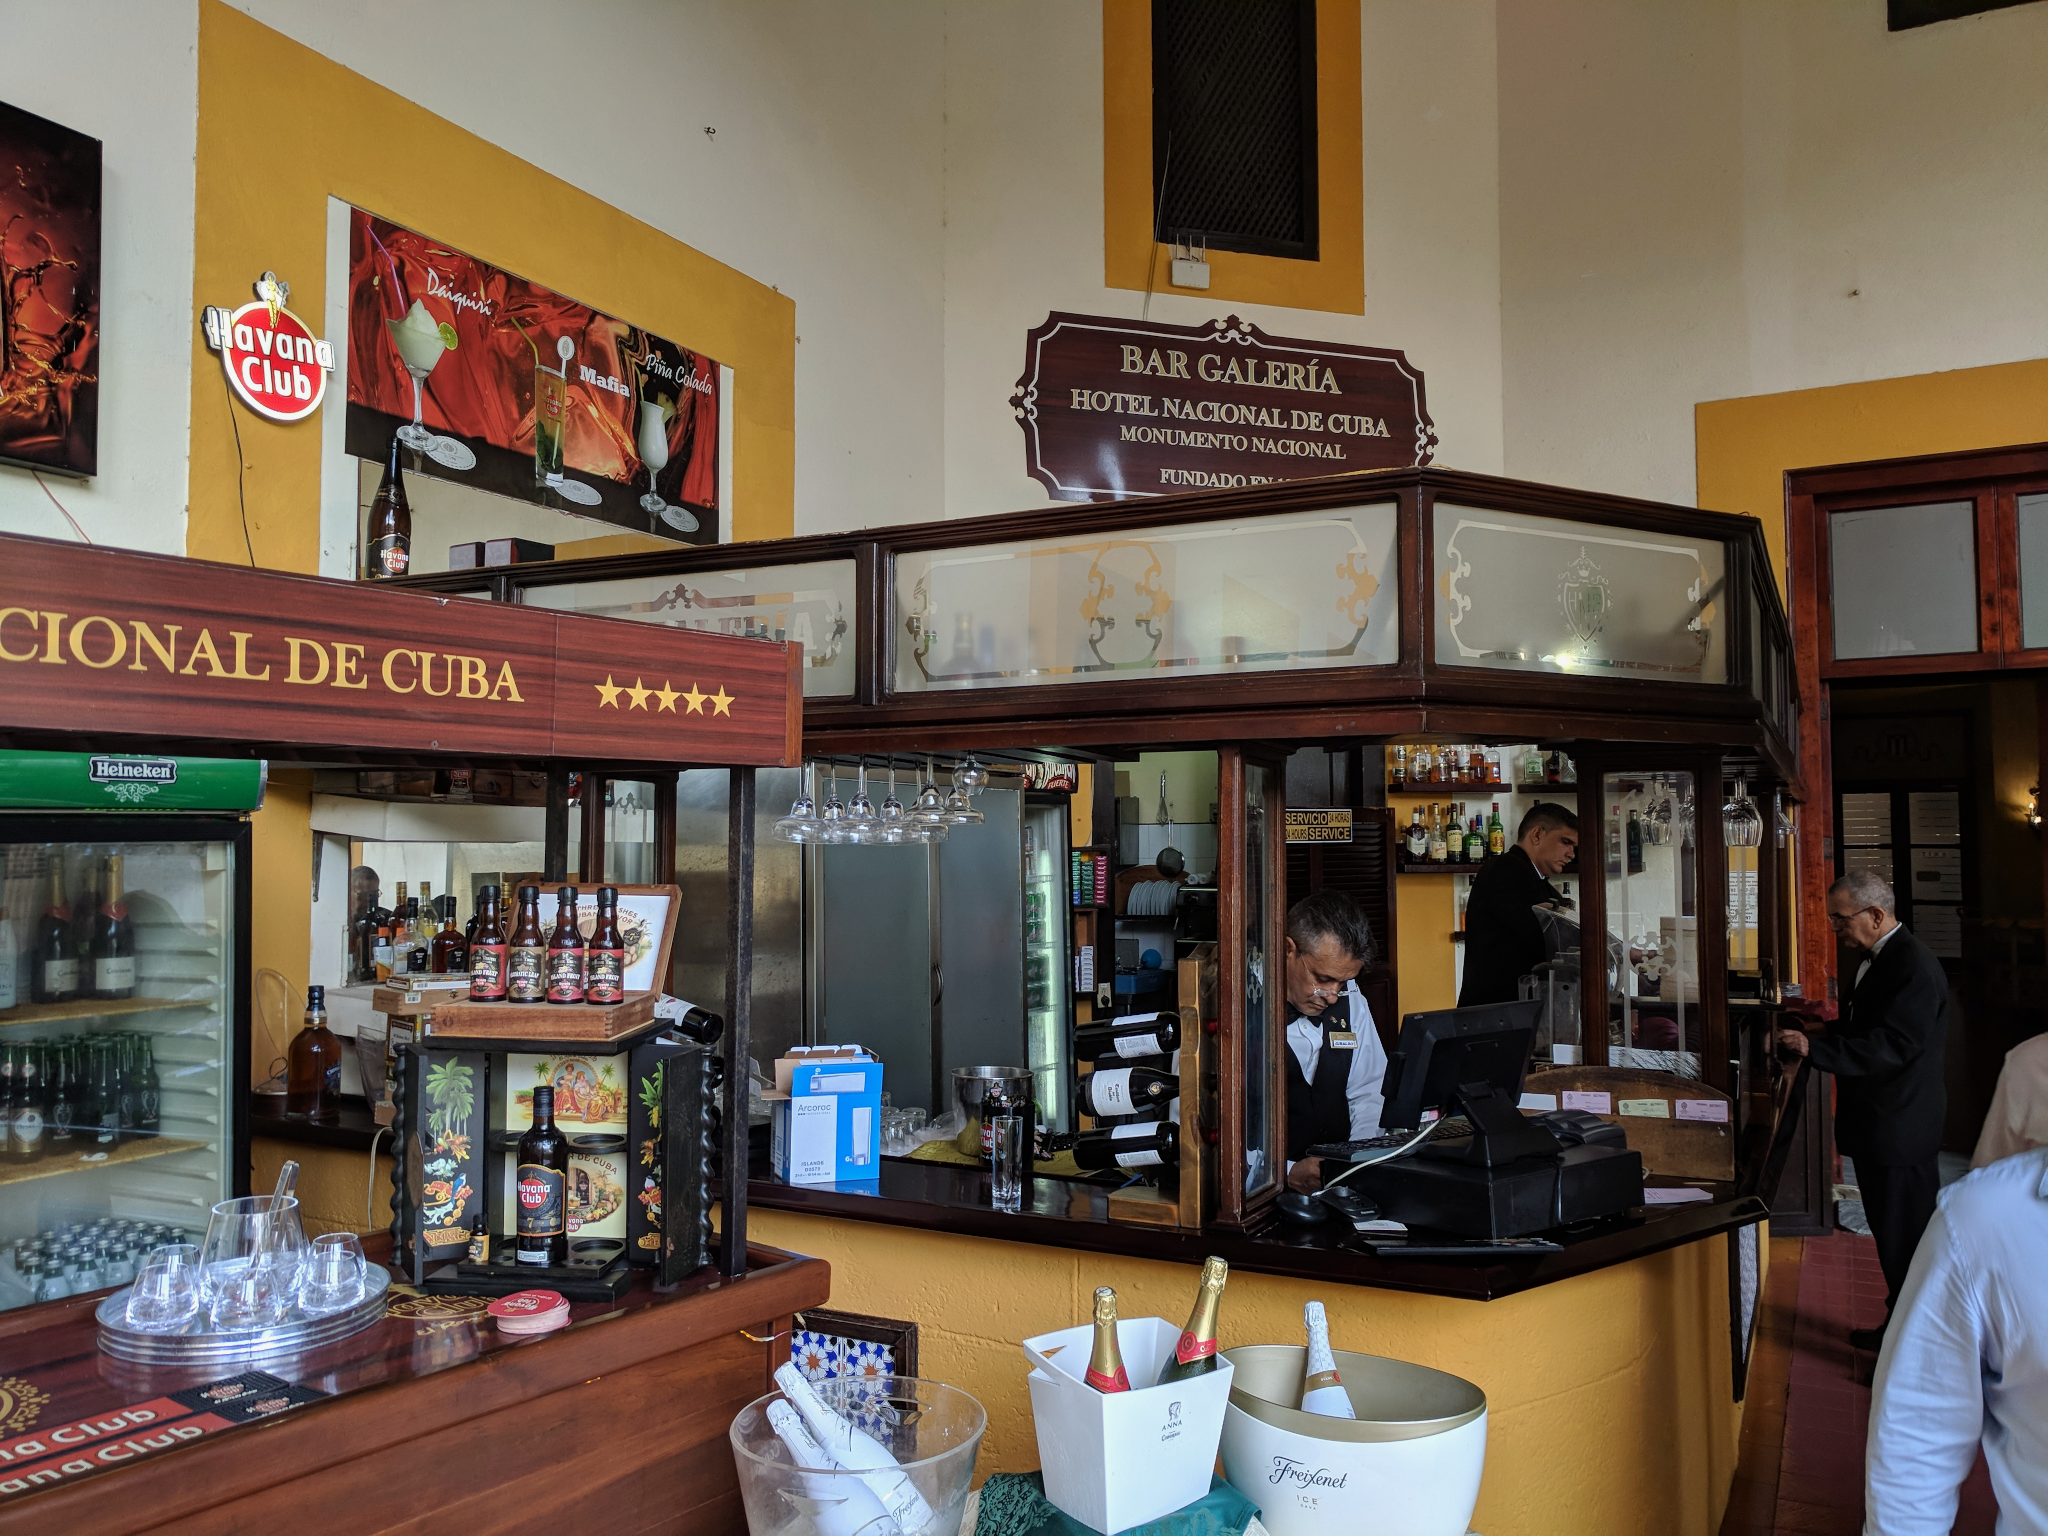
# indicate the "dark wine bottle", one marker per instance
pixel 55 978
pixel 1195 1354
pixel 541 1224
pixel 387 539
pixel 1133 1035
pixel 313 1068
pixel 487 951
pixel 605 968
pixel 1134 1148
pixel 526 952
pixel 566 951
pixel 1128 1091
pixel 699 1025
pixel 451 949
pixel 113 937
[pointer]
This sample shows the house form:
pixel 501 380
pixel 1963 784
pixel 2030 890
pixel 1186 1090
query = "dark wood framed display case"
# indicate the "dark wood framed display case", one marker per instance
pixel 1413 604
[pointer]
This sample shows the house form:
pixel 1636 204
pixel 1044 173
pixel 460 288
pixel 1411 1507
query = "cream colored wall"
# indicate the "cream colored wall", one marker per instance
pixel 1608 1396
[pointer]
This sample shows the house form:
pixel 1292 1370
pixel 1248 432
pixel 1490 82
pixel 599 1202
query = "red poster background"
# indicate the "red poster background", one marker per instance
pixel 49 295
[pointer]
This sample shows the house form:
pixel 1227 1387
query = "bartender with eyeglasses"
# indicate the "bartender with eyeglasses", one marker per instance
pixel 1334 1060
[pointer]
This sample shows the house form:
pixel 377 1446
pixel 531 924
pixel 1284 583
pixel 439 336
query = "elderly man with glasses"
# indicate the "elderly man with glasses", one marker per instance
pixel 1886 1055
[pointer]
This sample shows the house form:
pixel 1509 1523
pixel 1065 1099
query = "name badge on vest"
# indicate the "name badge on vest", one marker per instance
pixel 1343 1040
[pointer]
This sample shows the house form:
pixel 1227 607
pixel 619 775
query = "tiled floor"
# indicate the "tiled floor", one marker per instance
pixel 1808 1405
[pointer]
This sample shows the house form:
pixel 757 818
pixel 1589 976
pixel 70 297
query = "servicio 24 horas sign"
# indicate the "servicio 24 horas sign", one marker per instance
pixel 1114 408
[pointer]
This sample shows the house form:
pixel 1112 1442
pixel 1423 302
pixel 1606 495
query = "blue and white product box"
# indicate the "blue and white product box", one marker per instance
pixel 827 1116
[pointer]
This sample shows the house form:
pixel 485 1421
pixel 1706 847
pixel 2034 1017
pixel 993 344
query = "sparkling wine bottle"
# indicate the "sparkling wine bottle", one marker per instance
pixel 1106 1371
pixel 856 1450
pixel 1195 1354
pixel 1321 1391
pixel 840 1506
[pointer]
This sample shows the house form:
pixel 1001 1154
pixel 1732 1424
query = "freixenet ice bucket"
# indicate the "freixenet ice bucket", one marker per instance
pixel 971 1086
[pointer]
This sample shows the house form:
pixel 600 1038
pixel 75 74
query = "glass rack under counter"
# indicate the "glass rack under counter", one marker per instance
pixel 121 1042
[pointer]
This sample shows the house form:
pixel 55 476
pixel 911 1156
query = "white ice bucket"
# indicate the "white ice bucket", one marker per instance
pixel 1408 1465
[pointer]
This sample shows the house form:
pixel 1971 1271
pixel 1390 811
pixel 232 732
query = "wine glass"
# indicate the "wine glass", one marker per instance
pixel 833 816
pixel 891 824
pixel 928 816
pixel 970 776
pixel 652 443
pixel 1741 826
pixel 420 345
pixel 860 812
pixel 801 825
pixel 959 813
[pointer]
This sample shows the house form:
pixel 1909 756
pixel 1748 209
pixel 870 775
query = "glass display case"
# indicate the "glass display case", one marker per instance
pixel 124 1041
pixel 1649 847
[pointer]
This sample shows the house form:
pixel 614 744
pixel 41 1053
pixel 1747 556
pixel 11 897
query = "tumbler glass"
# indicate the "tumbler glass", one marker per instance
pixel 165 1296
pixel 1006 1146
pixel 333 1280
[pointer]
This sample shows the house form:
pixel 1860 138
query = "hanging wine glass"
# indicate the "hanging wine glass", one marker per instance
pixel 970 776
pixel 891 823
pixel 959 812
pixel 801 825
pixel 833 815
pixel 1741 826
pixel 928 816
pixel 860 813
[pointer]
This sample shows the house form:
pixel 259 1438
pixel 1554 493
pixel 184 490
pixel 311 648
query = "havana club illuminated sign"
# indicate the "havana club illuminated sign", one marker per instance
pixel 272 359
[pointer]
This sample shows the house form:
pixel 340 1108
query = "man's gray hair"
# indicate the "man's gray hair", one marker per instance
pixel 1867 890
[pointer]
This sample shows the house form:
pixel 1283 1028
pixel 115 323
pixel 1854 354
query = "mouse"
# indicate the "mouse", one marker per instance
pixel 1302 1210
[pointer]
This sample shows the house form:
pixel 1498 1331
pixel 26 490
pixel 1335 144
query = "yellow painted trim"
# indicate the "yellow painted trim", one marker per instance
pixel 1745 446
pixel 281 889
pixel 282 128
pixel 1131 259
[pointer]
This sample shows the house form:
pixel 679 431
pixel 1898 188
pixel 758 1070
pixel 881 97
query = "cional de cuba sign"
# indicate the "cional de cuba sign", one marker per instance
pixel 1113 408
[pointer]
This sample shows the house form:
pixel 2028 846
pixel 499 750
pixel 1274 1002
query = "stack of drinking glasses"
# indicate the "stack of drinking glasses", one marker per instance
pixel 899 1130
pixel 860 821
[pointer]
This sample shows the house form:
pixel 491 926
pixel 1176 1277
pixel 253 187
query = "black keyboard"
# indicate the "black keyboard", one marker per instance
pixel 1352 1151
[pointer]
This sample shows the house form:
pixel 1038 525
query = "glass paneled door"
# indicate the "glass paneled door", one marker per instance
pixel 123 1041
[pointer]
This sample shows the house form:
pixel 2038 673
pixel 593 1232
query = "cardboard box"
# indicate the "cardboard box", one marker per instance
pixel 827 1116
pixel 1119 1459
pixel 516 551
pixel 466 557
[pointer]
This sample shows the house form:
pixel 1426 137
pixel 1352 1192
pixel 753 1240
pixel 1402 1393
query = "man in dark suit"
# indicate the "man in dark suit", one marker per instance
pixel 1503 941
pixel 1886 1054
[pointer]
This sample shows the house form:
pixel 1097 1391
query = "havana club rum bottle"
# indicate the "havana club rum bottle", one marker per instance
pixel 541 1224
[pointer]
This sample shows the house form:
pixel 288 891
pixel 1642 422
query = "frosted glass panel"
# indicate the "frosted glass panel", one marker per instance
pixel 1904 580
pixel 811 604
pixel 1540 594
pixel 1260 594
pixel 2033 521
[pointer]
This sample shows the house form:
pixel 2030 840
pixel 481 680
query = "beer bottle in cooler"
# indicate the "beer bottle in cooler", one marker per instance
pixel 541 1223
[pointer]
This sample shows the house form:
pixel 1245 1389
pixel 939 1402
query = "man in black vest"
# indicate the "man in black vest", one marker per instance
pixel 1503 941
pixel 1886 1052
pixel 1334 1060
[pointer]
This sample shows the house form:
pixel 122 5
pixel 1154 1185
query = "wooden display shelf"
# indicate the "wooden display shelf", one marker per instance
pixel 1407 866
pixel 92 1008
pixel 466 1020
pixel 76 1162
pixel 1434 785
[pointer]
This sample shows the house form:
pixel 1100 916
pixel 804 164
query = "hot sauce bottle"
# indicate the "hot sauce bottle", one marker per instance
pixel 605 971
pixel 565 951
pixel 526 952
pixel 487 954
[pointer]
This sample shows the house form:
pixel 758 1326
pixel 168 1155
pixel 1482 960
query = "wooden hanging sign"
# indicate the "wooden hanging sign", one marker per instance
pixel 106 644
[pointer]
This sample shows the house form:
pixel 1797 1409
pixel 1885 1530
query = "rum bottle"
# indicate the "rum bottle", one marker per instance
pixel 526 952
pixel 451 950
pixel 487 952
pixel 387 541
pixel 566 951
pixel 541 1230
pixel 605 967
pixel 1195 1354
pixel 313 1069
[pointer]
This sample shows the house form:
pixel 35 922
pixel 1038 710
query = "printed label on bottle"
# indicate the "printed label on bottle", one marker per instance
pixel 1139 1045
pixel 61 1114
pixel 1191 1349
pixel 60 976
pixel 1147 1157
pixel 116 975
pixel 1317 1380
pixel 152 1105
pixel 541 1201
pixel 606 976
pixel 1120 1382
pixel 1110 1092
pixel 487 971
pixel 565 975
pixel 526 968
pixel 28 1128
pixel 389 556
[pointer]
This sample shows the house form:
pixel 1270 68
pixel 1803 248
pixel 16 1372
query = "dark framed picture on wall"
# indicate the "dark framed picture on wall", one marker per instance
pixel 49 295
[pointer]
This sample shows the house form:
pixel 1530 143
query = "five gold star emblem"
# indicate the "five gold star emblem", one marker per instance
pixel 668 696
pixel 695 700
pixel 721 701
pixel 608 692
pixel 638 694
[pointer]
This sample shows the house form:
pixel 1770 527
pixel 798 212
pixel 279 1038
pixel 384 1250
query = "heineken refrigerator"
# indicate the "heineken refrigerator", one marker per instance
pixel 124 1010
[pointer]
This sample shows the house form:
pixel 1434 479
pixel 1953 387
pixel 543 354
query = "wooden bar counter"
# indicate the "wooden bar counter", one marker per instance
pixel 436 1421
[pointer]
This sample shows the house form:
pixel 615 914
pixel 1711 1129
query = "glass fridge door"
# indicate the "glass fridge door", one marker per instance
pixel 123 1042
pixel 1048 970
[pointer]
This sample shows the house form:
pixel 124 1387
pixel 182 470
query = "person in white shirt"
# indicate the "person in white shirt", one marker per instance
pixel 1334 1059
pixel 2018 1118
pixel 1966 1360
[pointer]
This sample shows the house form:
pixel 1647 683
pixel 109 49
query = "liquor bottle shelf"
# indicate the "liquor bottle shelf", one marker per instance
pixel 82 1162
pixel 92 1008
pixel 1499 786
pixel 1407 866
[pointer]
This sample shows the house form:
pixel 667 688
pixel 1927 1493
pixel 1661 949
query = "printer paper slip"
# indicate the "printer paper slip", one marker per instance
pixel 1538 1102
pixel 1648 1109
pixel 1595 1103
pixel 1713 1111
pixel 1675 1196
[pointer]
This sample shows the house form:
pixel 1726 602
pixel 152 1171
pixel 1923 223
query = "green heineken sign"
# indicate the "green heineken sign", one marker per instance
pixel 121 781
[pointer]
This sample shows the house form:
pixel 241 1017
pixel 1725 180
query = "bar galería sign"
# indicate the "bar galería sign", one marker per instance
pixel 111 645
pixel 1318 826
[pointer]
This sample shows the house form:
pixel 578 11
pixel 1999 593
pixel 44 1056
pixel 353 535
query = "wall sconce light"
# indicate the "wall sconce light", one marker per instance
pixel 2034 807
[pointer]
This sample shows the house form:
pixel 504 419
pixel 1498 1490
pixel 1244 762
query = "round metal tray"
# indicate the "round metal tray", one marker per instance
pixel 198 1344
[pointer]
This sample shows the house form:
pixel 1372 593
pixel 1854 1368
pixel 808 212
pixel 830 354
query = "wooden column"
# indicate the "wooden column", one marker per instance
pixel 591 870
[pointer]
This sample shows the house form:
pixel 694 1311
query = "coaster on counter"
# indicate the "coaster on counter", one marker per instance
pixel 530 1311
pixel 263 1404
pixel 222 1395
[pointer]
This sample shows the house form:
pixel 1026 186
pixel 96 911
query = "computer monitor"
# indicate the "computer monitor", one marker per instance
pixel 1468 1061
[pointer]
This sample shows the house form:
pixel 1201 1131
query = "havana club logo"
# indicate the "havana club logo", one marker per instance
pixel 273 361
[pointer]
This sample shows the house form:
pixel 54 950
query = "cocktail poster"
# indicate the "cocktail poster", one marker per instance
pixel 499 383
pixel 49 295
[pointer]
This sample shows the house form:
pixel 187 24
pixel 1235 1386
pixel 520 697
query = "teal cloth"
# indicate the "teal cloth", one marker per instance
pixel 1014 1504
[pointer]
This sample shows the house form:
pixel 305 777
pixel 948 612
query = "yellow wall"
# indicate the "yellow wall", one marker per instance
pixel 282 128
pixel 1744 446
pixel 1609 1402
pixel 1425 914
pixel 336 1193
pixel 1131 259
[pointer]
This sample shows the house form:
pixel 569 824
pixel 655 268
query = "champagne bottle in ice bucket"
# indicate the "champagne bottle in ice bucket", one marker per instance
pixel 839 1506
pixel 856 1450
pixel 1321 1391
pixel 1195 1354
pixel 1106 1371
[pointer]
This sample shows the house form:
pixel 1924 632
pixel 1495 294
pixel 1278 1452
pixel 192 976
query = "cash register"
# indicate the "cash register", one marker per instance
pixel 1500 1173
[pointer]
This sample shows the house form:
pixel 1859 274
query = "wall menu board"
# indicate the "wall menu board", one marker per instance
pixel 49 295
pixel 523 392
pixel 1114 408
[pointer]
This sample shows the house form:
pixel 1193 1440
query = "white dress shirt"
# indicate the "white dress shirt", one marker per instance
pixel 1368 1062
pixel 1966 1357
pixel 1885 939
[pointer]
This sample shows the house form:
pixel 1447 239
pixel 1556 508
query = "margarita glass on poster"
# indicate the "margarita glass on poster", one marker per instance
pixel 420 345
